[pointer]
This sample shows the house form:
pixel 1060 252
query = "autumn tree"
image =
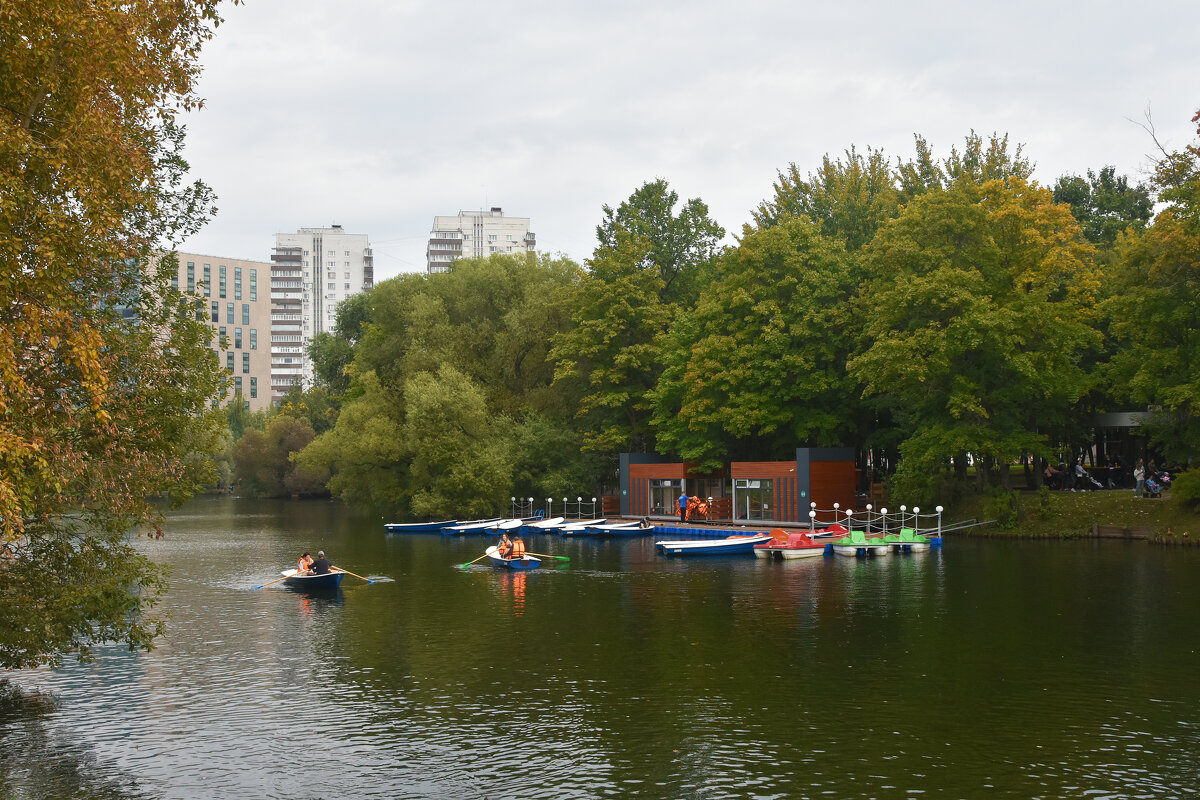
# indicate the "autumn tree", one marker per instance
pixel 105 368
pixel 980 308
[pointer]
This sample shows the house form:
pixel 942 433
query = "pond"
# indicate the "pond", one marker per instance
pixel 1023 669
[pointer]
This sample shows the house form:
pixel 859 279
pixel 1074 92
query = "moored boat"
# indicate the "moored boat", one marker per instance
pixel 474 526
pixel 525 562
pixel 328 580
pixel 737 543
pixel 857 544
pixel 908 541
pixel 547 524
pixel 789 546
pixel 418 527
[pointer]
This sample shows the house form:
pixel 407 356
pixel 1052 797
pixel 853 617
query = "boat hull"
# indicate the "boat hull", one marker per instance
pixel 526 563
pixel 325 582
pixel 418 527
pixel 699 547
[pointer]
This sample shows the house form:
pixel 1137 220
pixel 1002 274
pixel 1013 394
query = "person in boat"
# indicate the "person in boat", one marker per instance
pixel 505 546
pixel 518 547
pixel 304 565
pixel 322 565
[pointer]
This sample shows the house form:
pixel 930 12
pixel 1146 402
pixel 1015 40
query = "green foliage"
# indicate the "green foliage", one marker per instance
pixel 609 359
pixel 1105 204
pixel 759 364
pixel 978 314
pixel 680 248
pixel 1185 490
pixel 1001 505
pixel 263 462
pixel 1153 311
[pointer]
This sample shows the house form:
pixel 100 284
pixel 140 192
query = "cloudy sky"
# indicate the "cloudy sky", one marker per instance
pixel 380 114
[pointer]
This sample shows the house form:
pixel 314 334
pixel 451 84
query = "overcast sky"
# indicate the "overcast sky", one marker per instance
pixel 378 115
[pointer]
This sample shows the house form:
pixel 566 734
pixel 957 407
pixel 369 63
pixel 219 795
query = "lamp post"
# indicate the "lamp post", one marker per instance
pixel 868 517
pixel 902 510
pixel 916 519
pixel 883 512
pixel 812 520
pixel 939 513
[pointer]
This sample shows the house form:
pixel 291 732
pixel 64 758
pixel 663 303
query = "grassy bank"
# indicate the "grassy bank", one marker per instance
pixel 1068 514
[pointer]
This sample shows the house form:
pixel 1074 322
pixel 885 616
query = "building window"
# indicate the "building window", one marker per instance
pixel 254 387
pixel 175 281
pixel 228 311
pixel 509 237
pixel 253 285
pixel 347 287
pixel 347 263
pixel 237 384
pixel 245 362
pixel 245 313
pixel 254 338
pixel 491 237
pixel 237 282
pixel 216 311
pixel 224 280
pixel 237 338
pixel 229 360
pixel 208 280
pixel 191 277
pixel 331 286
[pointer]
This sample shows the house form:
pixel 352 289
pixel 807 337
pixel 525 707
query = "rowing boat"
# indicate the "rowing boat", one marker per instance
pixel 737 543
pixel 418 527
pixel 328 580
pixel 525 562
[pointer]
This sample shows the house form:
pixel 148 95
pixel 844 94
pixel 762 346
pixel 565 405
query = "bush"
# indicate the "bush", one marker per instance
pixel 1185 490
pixel 1001 505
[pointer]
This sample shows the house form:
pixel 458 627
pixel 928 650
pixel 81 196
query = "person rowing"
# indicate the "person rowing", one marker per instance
pixel 322 565
pixel 518 548
pixel 505 546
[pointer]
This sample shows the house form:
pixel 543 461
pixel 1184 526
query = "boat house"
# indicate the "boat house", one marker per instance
pixel 759 491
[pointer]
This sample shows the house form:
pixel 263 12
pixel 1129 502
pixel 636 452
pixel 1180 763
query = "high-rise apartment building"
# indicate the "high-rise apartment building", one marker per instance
pixel 475 234
pixel 312 271
pixel 235 298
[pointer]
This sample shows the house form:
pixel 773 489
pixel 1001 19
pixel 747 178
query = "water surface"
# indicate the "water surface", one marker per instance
pixel 998 668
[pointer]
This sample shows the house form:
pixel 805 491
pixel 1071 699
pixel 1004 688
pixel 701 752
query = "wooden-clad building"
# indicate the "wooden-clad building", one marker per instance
pixel 767 491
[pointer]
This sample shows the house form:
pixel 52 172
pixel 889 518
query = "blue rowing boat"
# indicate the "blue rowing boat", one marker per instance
pixel 738 543
pixel 526 562
pixel 329 580
pixel 418 527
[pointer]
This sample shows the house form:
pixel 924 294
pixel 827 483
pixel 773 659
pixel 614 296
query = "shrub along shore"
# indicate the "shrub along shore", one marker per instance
pixel 1047 514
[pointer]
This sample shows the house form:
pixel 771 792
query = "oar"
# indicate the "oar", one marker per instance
pixel 469 563
pixel 348 572
pixel 268 583
pixel 543 555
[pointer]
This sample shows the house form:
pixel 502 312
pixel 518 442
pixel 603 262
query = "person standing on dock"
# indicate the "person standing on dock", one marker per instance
pixel 683 506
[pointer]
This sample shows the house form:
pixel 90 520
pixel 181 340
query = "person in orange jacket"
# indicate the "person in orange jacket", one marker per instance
pixel 304 565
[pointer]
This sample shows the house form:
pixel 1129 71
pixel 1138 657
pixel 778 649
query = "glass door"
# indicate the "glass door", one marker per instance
pixel 752 499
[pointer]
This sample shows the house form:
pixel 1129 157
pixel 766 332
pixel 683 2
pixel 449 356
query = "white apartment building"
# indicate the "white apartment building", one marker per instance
pixel 236 300
pixel 312 271
pixel 476 234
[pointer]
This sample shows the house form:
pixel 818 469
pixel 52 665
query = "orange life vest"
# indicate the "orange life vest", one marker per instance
pixel 304 564
pixel 518 549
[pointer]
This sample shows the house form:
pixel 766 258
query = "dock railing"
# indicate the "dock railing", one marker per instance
pixel 880 520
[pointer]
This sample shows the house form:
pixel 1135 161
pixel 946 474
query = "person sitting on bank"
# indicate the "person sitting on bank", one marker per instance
pixel 322 565
pixel 304 565
pixel 1053 476
pixel 518 547
pixel 505 546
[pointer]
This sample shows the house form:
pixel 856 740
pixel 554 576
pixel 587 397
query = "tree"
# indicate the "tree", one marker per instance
pixel 978 314
pixel 1154 310
pixel 105 368
pixel 264 465
pixel 849 199
pixel 680 248
pixel 1105 204
pixel 609 359
pixel 758 368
